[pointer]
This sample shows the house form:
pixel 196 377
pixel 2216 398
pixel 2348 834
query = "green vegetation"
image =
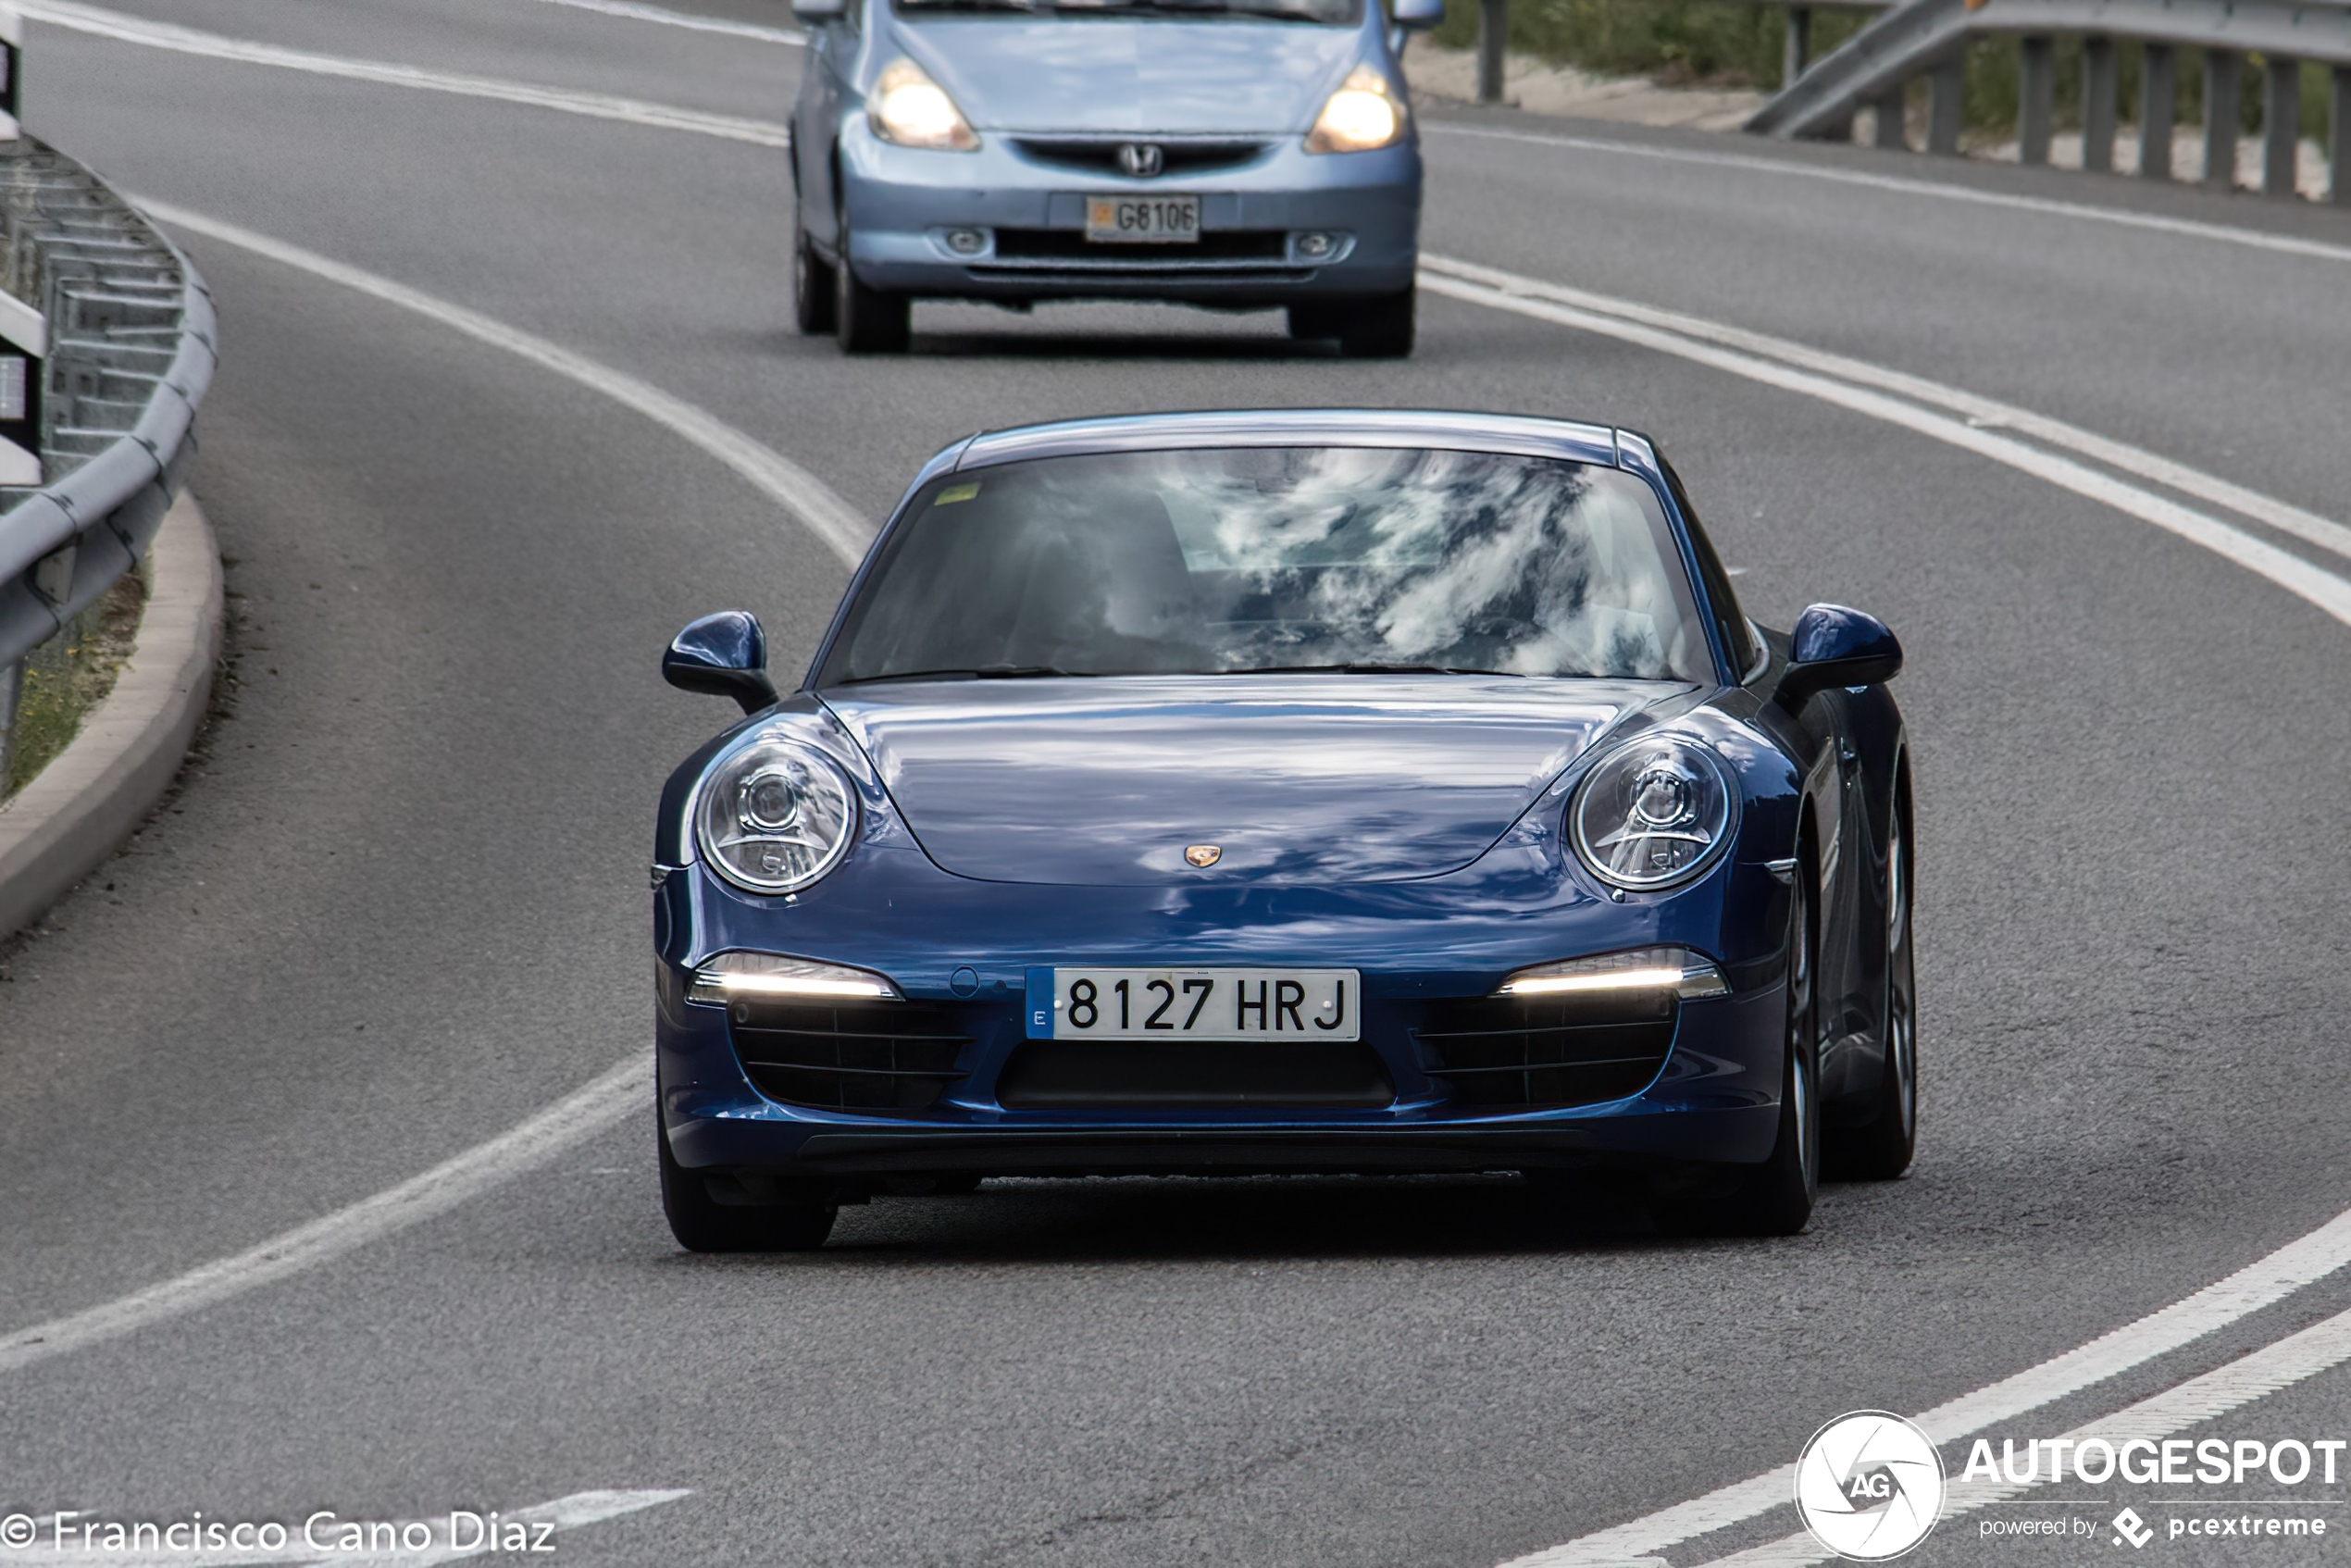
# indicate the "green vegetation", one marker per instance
pixel 1727 43
pixel 1721 42
pixel 67 676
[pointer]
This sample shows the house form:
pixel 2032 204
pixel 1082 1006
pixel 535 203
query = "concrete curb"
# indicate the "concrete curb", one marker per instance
pixel 128 750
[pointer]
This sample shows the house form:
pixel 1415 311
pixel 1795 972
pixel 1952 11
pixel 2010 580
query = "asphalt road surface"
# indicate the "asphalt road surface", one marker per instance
pixel 398 906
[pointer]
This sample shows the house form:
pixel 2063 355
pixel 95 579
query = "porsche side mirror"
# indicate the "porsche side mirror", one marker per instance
pixel 1834 646
pixel 1416 16
pixel 819 10
pixel 722 656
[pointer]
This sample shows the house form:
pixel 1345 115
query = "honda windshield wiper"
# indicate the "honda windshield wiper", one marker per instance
pixel 982 672
pixel 1196 8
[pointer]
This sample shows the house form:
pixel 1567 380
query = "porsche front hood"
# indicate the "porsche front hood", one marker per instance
pixel 1294 779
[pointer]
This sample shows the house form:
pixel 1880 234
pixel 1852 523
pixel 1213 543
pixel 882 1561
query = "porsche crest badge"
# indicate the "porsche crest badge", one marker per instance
pixel 1203 855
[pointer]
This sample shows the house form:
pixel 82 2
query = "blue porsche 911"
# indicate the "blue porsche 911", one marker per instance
pixel 1287 791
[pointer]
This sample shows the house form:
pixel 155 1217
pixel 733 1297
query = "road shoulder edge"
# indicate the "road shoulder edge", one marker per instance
pixel 122 759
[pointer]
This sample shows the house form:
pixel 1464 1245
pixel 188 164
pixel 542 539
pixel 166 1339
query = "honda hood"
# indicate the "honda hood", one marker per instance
pixel 1328 779
pixel 1076 75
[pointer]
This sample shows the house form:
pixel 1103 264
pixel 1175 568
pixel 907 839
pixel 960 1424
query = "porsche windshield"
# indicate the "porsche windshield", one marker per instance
pixel 1277 559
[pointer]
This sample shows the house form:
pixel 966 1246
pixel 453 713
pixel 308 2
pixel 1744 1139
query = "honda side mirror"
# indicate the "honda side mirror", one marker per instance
pixel 819 11
pixel 1416 16
pixel 1834 646
pixel 722 656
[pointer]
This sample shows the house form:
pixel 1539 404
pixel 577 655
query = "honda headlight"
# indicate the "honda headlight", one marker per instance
pixel 911 109
pixel 1655 812
pixel 774 816
pixel 1362 115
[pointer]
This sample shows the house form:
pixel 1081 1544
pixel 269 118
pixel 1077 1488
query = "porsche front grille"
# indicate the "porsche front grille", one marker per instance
pixel 874 1056
pixel 1547 1052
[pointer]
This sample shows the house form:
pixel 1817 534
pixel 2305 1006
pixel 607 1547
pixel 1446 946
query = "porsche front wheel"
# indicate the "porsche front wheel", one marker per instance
pixel 701 1224
pixel 1774 1198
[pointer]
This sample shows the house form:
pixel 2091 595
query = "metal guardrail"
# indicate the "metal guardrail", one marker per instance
pixel 1929 39
pixel 107 342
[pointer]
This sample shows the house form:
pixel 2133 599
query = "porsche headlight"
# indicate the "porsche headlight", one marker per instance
pixel 1654 814
pixel 774 816
pixel 1362 115
pixel 911 109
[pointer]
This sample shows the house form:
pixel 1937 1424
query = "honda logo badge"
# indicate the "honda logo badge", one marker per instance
pixel 1141 159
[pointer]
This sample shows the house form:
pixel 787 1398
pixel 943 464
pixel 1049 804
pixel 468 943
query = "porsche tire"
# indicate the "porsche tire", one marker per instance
pixel 701 1224
pixel 1774 1198
pixel 1879 1147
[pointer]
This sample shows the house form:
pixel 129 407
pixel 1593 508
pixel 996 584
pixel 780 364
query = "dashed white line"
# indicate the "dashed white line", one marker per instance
pixel 2283 244
pixel 125 29
pixel 629 11
pixel 831 519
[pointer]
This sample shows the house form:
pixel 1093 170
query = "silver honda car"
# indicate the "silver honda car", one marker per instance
pixel 1239 155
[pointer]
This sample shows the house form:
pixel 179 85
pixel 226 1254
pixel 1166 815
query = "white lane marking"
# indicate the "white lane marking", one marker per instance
pixel 2283 244
pixel 127 28
pixel 2269 1370
pixel 1982 413
pixel 446 1543
pixel 580 1116
pixel 629 11
pixel 2259 1284
pixel 778 478
pixel 2289 571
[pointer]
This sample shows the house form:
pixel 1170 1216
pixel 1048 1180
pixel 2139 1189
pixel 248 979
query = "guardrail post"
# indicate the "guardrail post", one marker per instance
pixel 2158 110
pixel 11 684
pixel 2220 73
pixel 2339 138
pixel 1797 54
pixel 2282 127
pixel 1946 87
pixel 2100 88
pixel 2036 99
pixel 1493 36
pixel 12 64
pixel 1890 109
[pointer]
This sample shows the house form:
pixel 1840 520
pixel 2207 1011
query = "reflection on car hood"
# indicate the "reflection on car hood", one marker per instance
pixel 1320 779
pixel 1097 74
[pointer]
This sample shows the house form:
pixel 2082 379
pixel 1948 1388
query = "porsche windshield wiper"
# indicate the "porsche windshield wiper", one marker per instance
pixel 983 672
pixel 1363 667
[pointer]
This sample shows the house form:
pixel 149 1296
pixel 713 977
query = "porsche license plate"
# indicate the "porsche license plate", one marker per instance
pixel 1195 1004
pixel 1143 220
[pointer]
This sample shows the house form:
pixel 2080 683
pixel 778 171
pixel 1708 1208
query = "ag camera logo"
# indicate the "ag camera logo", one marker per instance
pixel 1868 1485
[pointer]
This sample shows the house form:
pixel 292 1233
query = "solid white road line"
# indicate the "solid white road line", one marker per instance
pixel 778 478
pixel 629 11
pixel 621 1092
pixel 2258 1285
pixel 2270 1369
pixel 1981 412
pixel 127 28
pixel 580 1116
pixel 565 1513
pixel 2283 244
pixel 2289 571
